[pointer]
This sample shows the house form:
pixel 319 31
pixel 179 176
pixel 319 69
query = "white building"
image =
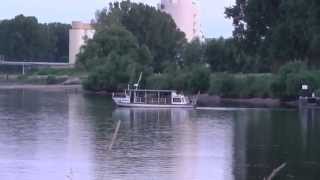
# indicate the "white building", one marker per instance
pixel 186 14
pixel 78 35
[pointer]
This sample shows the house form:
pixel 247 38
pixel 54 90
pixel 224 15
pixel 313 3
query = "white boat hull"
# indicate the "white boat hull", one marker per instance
pixel 155 105
pixel 145 100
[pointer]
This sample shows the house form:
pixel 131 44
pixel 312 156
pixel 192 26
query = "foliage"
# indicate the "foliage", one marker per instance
pixel 277 31
pixel 224 85
pixel 23 37
pixel 290 79
pixel 55 72
pixel 240 85
pixel 193 53
pixel 199 79
pixel 189 80
pixel 114 58
pixel 151 27
pixel 132 38
pixel 51 80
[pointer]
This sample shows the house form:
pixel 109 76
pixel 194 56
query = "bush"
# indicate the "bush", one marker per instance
pixel 51 80
pixel 223 85
pixel 189 80
pixel 291 77
pixel 292 68
pixel 199 79
pixel 241 86
pixel 255 86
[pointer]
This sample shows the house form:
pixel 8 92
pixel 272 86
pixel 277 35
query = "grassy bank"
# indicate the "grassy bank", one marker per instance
pixel 57 72
pixel 47 76
pixel 284 85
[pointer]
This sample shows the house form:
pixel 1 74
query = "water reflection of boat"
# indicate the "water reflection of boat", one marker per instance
pixel 165 114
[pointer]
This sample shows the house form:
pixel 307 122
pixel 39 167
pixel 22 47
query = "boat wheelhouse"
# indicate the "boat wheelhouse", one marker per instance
pixel 153 98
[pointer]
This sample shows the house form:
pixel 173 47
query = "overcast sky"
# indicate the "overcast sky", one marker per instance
pixel 213 21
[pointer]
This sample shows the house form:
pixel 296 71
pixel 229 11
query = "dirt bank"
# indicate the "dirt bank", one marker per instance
pixel 207 100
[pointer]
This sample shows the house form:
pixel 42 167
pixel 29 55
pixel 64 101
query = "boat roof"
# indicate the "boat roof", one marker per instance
pixel 151 90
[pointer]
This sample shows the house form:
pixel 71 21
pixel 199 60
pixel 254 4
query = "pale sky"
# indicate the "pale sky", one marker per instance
pixel 213 21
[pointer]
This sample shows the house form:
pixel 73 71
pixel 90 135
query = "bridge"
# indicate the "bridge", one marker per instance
pixel 31 63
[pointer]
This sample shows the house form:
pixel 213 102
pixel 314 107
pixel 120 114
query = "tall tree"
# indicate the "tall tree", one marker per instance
pixel 153 28
pixel 25 38
pixel 114 58
pixel 277 30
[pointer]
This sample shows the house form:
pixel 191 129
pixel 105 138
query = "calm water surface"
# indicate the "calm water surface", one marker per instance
pixel 59 135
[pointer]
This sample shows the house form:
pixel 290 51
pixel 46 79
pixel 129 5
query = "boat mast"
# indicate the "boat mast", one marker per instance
pixel 137 84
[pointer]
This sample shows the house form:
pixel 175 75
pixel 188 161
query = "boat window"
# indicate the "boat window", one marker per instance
pixel 176 100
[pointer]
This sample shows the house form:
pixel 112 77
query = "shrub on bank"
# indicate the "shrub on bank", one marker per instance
pixel 190 80
pixel 240 85
pixel 285 85
pixel 224 85
pixel 51 80
pixel 288 82
pixel 54 72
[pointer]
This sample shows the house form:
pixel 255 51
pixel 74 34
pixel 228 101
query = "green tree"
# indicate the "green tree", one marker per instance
pixel 25 38
pixel 153 28
pixel 113 58
pixel 277 31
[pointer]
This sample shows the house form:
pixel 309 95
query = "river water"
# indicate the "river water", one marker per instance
pixel 66 135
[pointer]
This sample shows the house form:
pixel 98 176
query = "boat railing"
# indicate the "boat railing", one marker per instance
pixel 158 101
pixel 139 100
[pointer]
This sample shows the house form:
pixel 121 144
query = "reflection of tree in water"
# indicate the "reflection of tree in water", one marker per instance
pixel 277 136
pixel 310 147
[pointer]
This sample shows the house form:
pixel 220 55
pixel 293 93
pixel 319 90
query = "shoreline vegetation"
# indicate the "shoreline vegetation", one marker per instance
pixel 126 44
pixel 205 100
pixel 66 83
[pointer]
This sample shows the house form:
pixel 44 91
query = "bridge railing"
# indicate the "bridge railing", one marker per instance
pixel 32 59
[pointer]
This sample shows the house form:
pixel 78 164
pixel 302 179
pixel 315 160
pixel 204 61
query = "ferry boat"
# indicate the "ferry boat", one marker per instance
pixel 152 98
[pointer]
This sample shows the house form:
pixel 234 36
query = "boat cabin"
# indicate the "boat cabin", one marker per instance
pixel 156 97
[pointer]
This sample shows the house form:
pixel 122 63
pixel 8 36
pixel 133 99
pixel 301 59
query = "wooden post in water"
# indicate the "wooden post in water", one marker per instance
pixel 276 171
pixel 114 135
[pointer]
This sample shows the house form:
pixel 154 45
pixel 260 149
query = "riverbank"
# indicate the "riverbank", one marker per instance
pixel 56 87
pixel 205 100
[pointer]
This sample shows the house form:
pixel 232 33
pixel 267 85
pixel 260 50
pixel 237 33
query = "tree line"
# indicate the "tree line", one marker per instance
pixel 274 32
pixel 25 38
pixel 133 38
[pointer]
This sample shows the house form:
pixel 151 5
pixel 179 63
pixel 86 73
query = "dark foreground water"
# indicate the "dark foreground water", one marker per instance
pixel 58 135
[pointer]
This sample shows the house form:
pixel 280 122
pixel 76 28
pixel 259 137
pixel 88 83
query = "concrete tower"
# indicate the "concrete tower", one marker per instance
pixel 186 15
pixel 78 35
